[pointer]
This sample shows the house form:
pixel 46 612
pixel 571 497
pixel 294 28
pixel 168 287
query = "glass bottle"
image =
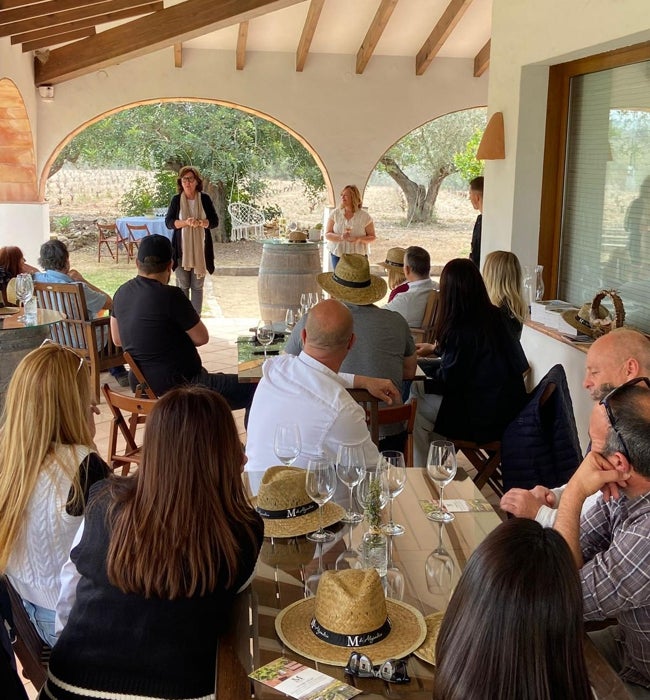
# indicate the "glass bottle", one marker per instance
pixel 529 285
pixel 374 544
pixel 539 282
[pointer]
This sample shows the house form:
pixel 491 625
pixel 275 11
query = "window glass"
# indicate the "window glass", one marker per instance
pixel 605 241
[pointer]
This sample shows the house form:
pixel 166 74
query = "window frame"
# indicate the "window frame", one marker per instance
pixel 555 146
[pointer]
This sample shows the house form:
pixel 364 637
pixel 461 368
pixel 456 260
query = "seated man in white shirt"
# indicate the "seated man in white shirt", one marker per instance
pixel 412 303
pixel 307 390
pixel 612 360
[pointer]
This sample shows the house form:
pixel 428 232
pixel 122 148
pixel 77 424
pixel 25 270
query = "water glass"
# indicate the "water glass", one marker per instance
pixel 286 443
pixel 320 482
pixel 265 334
pixel 290 320
pixel 393 462
pixel 441 467
pixel 350 468
pixel 24 291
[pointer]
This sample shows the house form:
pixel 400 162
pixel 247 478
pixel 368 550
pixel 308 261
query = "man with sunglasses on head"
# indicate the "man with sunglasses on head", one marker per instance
pixel 613 359
pixel 611 542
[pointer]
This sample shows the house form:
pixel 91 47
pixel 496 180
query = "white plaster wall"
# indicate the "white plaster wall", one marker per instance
pixel 349 120
pixel 527 37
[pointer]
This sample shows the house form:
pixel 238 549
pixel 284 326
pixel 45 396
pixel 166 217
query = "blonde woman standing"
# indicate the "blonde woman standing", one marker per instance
pixel 502 276
pixel 350 228
pixel 47 465
pixel 191 215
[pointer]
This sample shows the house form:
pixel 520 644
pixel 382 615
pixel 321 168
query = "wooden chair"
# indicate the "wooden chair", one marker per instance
pixel 486 459
pixel 143 388
pixel 246 221
pixel 370 404
pixel 424 334
pixel 90 339
pixel 402 414
pixel 133 406
pixel 133 240
pixel 32 652
pixel 110 236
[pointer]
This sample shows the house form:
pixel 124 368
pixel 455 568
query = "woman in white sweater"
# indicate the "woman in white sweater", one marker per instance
pixel 47 465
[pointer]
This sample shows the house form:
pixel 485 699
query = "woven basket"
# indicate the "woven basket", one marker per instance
pixel 604 325
pixel 297 236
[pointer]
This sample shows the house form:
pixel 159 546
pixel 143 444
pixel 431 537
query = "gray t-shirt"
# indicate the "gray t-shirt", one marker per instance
pixel 383 340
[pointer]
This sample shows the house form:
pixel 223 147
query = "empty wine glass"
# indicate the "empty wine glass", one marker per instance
pixel 286 443
pixel 441 467
pixel 313 299
pixel 396 477
pixel 320 482
pixel 313 576
pixel 439 570
pixel 265 334
pixel 350 468
pixel 24 291
pixel 349 558
pixel 290 320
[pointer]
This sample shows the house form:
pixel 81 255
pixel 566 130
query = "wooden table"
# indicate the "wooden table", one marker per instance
pixel 287 567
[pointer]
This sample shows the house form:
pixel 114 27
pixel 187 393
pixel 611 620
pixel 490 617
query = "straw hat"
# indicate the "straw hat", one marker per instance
pixel 427 652
pixel 350 613
pixel 287 510
pixel 595 320
pixel 351 281
pixel 394 258
pixel 580 319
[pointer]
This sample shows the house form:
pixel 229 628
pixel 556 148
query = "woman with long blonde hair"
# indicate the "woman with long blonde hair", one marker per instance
pixel 502 276
pixel 47 465
pixel 350 228
pixel 160 559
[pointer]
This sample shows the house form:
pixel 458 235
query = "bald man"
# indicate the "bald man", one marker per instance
pixel 308 390
pixel 612 360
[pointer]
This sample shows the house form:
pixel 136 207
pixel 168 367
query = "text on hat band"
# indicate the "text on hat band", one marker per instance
pixel 350 640
pixel 288 512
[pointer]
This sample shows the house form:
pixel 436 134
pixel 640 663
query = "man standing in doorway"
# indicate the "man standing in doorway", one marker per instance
pixel 476 198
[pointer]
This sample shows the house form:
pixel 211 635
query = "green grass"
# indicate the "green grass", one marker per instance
pixel 105 276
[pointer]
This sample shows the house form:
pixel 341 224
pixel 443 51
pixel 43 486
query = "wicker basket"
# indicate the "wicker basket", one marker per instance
pixel 604 325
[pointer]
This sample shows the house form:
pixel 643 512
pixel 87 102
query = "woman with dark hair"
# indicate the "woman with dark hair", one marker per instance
pixel 191 215
pixel 161 557
pixel 477 387
pixel 513 629
pixel 12 264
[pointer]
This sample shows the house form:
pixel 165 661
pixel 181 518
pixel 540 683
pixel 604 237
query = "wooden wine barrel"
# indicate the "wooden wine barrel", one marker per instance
pixel 287 270
pixel 14 345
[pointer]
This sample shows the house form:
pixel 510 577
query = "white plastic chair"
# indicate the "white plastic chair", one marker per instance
pixel 247 222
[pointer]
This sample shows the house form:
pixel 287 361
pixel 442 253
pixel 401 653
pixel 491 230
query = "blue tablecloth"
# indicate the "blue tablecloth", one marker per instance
pixel 155 225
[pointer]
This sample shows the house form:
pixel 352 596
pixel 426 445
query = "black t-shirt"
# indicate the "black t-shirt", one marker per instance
pixel 154 319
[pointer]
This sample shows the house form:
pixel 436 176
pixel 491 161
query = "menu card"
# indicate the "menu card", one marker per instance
pixel 301 682
pixel 458 505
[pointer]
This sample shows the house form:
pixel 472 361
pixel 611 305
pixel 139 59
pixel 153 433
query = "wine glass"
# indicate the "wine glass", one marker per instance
pixel 286 443
pixel 290 320
pixel 24 291
pixel 439 570
pixel 348 227
pixel 265 334
pixel 396 477
pixel 320 482
pixel 350 468
pixel 349 558
pixel 313 576
pixel 373 479
pixel 441 467
pixel 313 299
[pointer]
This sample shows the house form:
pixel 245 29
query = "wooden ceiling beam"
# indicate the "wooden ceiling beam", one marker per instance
pixel 308 31
pixel 42 8
pixel 98 11
pixel 58 39
pixel 482 60
pixel 178 55
pixel 445 26
pixel 376 29
pixel 242 38
pixel 82 23
pixel 159 30
pixel 10 4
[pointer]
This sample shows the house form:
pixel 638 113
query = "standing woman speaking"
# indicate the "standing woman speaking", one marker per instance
pixel 350 228
pixel 191 215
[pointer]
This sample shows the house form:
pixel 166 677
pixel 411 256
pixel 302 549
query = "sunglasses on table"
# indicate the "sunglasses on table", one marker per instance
pixel 605 402
pixel 392 670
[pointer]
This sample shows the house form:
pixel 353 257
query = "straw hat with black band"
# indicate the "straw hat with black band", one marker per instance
pixel 394 258
pixel 350 613
pixel 427 652
pixel 595 320
pixel 285 507
pixel 352 282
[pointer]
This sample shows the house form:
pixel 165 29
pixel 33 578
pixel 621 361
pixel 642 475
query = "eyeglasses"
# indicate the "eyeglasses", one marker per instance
pixel 49 341
pixel 392 670
pixel 188 179
pixel 610 414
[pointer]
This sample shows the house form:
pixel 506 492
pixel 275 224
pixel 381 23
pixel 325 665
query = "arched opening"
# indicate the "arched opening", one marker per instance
pixel 17 161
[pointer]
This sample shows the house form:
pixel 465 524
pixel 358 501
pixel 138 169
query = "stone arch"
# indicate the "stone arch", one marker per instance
pixel 17 159
pixel 223 103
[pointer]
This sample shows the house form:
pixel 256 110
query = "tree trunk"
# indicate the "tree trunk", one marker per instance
pixel 433 190
pixel 217 193
pixel 415 194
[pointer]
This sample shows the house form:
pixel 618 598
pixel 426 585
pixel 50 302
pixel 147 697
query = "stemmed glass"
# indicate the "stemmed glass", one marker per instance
pixel 286 443
pixel 265 334
pixel 320 483
pixel 290 320
pixel 350 468
pixel 439 570
pixel 396 478
pixel 24 291
pixel 441 467
pixel 313 579
pixel 349 558
pixel 313 299
pixel 365 486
